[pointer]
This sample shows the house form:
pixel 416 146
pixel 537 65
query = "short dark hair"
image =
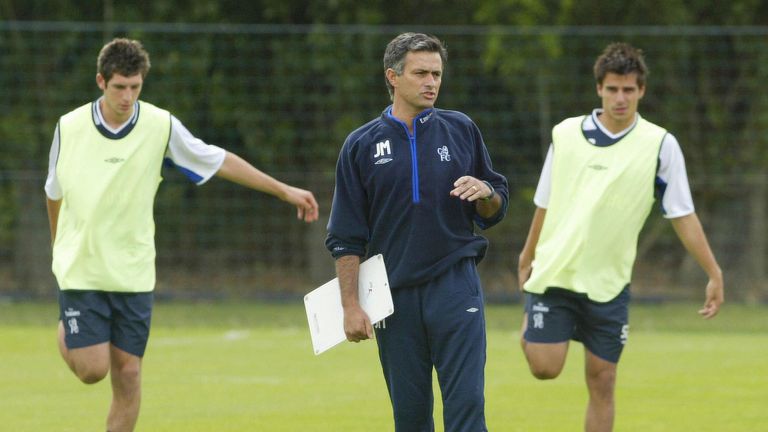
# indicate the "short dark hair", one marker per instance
pixel 400 46
pixel 126 57
pixel 623 59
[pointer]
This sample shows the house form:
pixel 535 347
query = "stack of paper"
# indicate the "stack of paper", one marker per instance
pixel 325 314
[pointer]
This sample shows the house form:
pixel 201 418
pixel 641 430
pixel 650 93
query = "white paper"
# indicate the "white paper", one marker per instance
pixel 325 314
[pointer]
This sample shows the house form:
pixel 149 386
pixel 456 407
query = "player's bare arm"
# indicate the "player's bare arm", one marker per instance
pixel 525 262
pixel 237 170
pixel 691 234
pixel 53 216
pixel 357 325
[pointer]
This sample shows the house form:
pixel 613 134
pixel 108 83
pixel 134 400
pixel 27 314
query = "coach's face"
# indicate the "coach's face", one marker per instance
pixel 417 87
pixel 120 94
pixel 620 94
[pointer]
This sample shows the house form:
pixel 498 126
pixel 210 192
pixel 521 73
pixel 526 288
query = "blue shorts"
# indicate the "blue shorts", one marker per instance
pixel 94 317
pixel 560 315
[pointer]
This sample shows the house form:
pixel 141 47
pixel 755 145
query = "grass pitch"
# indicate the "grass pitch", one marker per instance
pixel 250 367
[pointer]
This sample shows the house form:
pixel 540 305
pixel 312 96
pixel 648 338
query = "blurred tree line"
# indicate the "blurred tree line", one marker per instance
pixel 318 76
pixel 729 112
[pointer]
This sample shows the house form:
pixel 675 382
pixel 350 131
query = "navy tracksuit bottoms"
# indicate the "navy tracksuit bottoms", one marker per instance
pixel 439 324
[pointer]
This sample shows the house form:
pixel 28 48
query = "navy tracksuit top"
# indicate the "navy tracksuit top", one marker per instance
pixel 393 197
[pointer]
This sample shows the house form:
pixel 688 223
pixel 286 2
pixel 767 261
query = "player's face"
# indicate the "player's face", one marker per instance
pixel 417 88
pixel 120 93
pixel 620 94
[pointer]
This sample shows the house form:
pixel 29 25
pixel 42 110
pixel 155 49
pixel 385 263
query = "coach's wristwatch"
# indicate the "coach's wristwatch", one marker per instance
pixel 493 192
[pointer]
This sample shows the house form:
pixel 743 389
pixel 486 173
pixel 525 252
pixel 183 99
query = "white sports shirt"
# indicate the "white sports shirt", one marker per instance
pixel 671 176
pixel 193 157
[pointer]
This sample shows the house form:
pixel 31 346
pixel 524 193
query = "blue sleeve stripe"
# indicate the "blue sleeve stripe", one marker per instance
pixel 660 188
pixel 193 176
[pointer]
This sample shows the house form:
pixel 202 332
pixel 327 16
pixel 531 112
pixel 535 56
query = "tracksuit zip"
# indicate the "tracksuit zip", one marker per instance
pixel 414 159
pixel 414 165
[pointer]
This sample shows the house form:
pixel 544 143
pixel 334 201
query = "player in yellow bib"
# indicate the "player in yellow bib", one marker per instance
pixel 600 179
pixel 104 171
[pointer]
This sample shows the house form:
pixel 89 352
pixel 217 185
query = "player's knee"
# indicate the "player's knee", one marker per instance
pixel 543 366
pixel 88 371
pixel 91 375
pixel 603 380
pixel 544 372
pixel 128 372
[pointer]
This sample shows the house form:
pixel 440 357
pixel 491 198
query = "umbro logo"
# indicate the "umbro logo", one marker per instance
pixel 382 161
pixel 597 167
pixel 114 160
pixel 472 310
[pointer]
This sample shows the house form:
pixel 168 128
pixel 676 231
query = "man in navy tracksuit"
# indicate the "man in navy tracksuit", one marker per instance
pixel 411 185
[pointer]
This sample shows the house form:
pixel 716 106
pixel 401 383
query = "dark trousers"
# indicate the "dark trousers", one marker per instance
pixel 440 324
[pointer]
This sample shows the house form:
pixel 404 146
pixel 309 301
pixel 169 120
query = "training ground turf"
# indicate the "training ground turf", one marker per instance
pixel 250 367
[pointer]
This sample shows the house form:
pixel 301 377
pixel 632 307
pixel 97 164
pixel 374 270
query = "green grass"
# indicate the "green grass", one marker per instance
pixel 250 367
